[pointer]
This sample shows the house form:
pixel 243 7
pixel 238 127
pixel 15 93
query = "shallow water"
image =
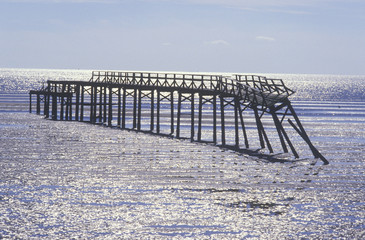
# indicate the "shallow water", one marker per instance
pixel 76 180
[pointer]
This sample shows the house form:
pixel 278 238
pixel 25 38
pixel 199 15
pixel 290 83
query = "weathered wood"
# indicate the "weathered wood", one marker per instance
pixel 223 127
pixel 259 94
pixel 236 127
pixel 139 110
pixel 152 121
pixel 103 117
pixel 135 108
pixel 215 119
pixel 110 107
pixel 54 107
pixel 46 103
pixel 38 104
pixel 304 135
pixel 158 111
pixel 62 102
pixel 192 117
pixel 69 103
pixel 82 103
pixel 178 115
pixel 200 117
pixel 77 110
pixel 172 128
pixel 119 106
pixel 30 103
pixel 124 107
pixel 261 131
pixel 282 132
pixel 243 127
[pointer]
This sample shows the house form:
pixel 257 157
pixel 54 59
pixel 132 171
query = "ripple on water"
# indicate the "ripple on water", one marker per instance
pixel 75 180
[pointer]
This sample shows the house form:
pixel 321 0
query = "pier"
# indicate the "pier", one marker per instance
pixel 141 101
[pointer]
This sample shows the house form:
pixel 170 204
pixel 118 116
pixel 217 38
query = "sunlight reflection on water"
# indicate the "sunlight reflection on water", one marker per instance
pixel 97 182
pixel 76 180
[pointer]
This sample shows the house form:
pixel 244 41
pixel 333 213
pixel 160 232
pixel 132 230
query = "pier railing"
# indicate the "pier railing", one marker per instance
pixel 170 80
pixel 254 90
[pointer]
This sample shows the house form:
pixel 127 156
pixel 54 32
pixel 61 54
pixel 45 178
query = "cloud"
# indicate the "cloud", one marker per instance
pixel 250 3
pixel 166 44
pixel 276 10
pixel 217 42
pixel 293 7
pixel 264 38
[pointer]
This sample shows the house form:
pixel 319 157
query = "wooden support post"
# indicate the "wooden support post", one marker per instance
pixel 158 111
pixel 46 105
pixel 286 137
pixel 124 107
pixel 215 119
pixel 262 133
pixel 105 105
pixel 178 116
pixel 223 128
pixel 30 103
pixel 304 135
pixel 243 127
pixel 46 102
pixel 152 123
pixel 70 98
pixel 77 111
pixel 62 102
pixel 100 104
pixel 135 109
pixel 192 129
pixel 82 103
pixel 95 104
pixel 67 103
pixel 258 125
pixel 38 104
pixel 200 117
pixel 139 110
pixel 69 106
pixel 110 107
pixel 236 132
pixel 54 106
pixel 279 129
pixel 92 96
pixel 49 104
pixel 119 106
pixel 172 128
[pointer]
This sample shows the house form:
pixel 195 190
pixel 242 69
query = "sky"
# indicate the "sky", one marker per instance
pixel 245 36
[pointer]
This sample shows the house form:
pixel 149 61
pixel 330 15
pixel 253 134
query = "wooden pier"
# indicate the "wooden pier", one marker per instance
pixel 142 100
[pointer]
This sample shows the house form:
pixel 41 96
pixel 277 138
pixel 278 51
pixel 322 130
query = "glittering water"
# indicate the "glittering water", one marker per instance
pixel 76 180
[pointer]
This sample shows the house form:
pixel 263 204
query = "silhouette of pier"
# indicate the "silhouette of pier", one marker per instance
pixel 127 99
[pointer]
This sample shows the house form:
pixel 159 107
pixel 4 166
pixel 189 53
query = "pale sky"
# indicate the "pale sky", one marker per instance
pixel 262 36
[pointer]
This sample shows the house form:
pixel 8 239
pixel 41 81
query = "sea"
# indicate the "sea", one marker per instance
pixel 74 180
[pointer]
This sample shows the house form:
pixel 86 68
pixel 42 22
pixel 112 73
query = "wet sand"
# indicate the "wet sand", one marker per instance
pixel 76 180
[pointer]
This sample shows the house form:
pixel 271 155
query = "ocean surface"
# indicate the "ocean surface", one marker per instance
pixel 73 180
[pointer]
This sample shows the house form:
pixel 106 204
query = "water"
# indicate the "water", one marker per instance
pixel 63 180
